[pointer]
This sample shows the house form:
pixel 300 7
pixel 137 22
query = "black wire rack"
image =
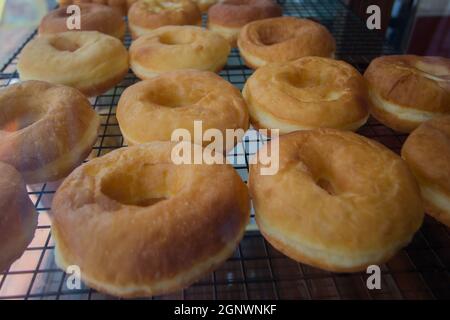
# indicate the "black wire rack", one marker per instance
pixel 256 270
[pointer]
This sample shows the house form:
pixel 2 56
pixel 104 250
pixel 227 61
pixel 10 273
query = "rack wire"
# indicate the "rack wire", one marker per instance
pixel 256 270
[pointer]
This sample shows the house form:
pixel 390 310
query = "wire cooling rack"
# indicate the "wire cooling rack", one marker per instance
pixel 256 270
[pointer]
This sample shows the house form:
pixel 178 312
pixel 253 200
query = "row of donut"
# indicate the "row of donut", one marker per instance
pixel 339 201
pixel 226 17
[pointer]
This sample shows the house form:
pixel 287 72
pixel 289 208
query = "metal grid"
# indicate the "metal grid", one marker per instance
pixel 256 270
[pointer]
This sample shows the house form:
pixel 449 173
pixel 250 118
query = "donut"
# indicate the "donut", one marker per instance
pixel 146 15
pixel 339 201
pixel 93 17
pixel 407 90
pixel 153 109
pixel 204 5
pixel 311 92
pixel 18 218
pixel 46 130
pixel 427 152
pixel 178 47
pixel 127 220
pixel 89 61
pixel 283 39
pixel 229 16
pixel 121 6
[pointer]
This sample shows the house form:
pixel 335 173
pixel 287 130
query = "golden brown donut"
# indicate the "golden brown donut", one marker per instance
pixel 146 15
pixel 427 152
pixel 153 109
pixel 178 47
pixel 94 17
pixel 311 92
pixel 339 201
pixel 284 39
pixel 229 16
pixel 138 225
pixel 407 90
pixel 89 61
pixel 119 5
pixel 45 130
pixel 18 218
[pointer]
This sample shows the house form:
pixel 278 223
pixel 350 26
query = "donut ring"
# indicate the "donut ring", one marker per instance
pixel 407 90
pixel 174 100
pixel 94 17
pixel 229 16
pixel 178 47
pixel 427 152
pixel 45 130
pixel 126 219
pixel 351 202
pixel 120 6
pixel 284 39
pixel 308 93
pixel 146 15
pixel 18 218
pixel 89 61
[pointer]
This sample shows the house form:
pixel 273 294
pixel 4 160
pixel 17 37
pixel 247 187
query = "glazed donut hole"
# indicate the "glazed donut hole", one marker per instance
pixel 144 187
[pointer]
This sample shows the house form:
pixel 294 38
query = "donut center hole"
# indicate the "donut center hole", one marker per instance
pixel 176 39
pixel 144 186
pixel 270 35
pixel 63 44
pixel 18 118
pixel 326 185
pixel 171 98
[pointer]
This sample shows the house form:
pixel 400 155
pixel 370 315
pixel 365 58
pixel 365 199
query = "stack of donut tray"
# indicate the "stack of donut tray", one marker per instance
pixel 256 270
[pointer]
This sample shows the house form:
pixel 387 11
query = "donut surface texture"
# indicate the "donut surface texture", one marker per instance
pixel 339 201
pixel 152 110
pixel 308 93
pixel 89 61
pixel 284 39
pixel 138 225
pixel 229 16
pixel 172 48
pixel 146 15
pixel 407 90
pixel 46 130
pixel 427 152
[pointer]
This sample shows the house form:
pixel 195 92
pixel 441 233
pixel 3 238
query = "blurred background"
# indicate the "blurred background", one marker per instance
pixel 412 26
